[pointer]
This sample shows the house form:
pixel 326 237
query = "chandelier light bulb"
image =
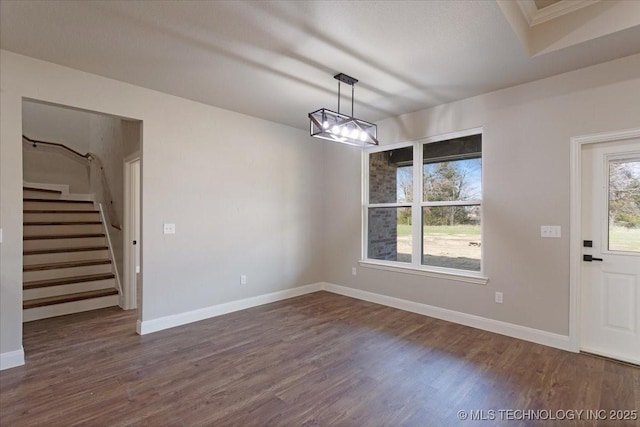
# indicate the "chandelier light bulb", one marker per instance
pixel 325 124
pixel 335 129
pixel 345 132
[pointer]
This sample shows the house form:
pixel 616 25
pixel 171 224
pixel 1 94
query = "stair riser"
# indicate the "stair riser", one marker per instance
pixel 31 314
pixel 58 206
pixel 34 230
pixel 51 291
pixel 61 273
pixel 58 217
pixel 32 194
pixel 64 257
pixel 63 243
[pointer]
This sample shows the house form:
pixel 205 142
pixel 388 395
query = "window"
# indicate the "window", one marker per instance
pixel 426 217
pixel 624 205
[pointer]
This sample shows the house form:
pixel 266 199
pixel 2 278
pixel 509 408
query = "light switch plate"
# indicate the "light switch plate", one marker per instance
pixel 169 229
pixel 551 231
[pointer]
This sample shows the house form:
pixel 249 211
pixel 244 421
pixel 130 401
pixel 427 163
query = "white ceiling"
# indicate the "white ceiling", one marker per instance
pixel 276 59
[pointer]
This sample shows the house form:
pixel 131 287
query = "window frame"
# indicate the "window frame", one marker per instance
pixel 416 206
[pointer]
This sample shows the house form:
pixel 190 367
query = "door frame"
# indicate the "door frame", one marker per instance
pixel 575 247
pixel 129 287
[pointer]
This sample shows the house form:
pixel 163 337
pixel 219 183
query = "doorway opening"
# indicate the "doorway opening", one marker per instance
pixel 74 206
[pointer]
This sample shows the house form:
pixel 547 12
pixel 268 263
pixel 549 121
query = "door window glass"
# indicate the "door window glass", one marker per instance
pixel 624 205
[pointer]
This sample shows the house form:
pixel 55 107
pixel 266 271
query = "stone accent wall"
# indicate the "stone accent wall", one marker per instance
pixel 383 236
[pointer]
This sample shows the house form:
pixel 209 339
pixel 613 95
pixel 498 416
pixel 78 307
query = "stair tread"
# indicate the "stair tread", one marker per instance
pixel 60 299
pixel 54 211
pixel 66 264
pixel 29 199
pixel 62 223
pixel 62 236
pixel 67 280
pixel 43 190
pixel 62 250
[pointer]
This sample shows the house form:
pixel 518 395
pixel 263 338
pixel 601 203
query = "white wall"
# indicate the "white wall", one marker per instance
pixel 52 123
pixel 43 164
pixel 526 184
pixel 245 194
pixel 131 135
pixel 106 141
pixel 49 165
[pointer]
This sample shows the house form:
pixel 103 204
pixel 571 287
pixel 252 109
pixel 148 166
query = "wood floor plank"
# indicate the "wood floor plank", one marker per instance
pixel 315 360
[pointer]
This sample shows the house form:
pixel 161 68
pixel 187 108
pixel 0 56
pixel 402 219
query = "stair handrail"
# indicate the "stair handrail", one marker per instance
pixel 35 143
pixel 91 158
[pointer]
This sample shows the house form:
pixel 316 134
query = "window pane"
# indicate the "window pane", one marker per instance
pixel 391 176
pixel 466 147
pixel 451 237
pixel 389 234
pixel 452 180
pixel 624 205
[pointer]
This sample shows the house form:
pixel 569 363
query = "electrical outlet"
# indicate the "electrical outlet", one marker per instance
pixel 169 228
pixel 243 279
pixel 499 297
pixel 354 271
pixel 550 231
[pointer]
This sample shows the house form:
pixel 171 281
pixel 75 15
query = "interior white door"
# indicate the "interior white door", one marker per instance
pixel 132 247
pixel 610 276
pixel 135 171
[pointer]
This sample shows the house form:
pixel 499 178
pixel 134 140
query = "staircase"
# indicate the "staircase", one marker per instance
pixel 67 265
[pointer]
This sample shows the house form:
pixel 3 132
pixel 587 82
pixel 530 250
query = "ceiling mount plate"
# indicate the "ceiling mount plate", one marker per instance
pixel 345 79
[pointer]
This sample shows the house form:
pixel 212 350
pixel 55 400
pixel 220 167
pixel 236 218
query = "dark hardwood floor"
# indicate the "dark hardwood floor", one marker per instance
pixel 316 360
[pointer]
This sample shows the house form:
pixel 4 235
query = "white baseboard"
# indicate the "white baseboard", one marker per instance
pixel 11 359
pixel 148 326
pixel 504 328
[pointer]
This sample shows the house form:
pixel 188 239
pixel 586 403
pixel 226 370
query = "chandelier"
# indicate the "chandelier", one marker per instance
pixel 338 127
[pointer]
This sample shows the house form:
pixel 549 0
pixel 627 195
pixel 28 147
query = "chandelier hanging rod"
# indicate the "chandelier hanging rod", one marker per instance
pixel 342 77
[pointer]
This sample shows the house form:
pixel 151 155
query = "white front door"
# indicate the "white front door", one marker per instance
pixel 610 287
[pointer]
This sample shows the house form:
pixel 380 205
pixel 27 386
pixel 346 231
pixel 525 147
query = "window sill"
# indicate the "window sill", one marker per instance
pixel 460 276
